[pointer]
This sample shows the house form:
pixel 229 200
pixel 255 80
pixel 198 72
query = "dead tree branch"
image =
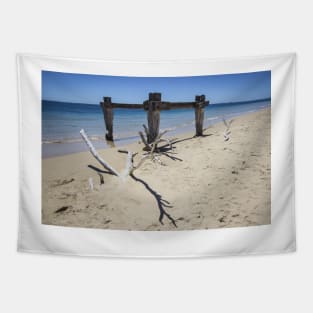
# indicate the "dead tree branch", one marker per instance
pixel 129 166
pixel 96 155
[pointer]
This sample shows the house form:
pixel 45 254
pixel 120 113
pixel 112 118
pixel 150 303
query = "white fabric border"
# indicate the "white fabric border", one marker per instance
pixel 275 238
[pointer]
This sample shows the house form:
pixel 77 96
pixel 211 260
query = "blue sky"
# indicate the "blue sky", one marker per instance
pixel 83 88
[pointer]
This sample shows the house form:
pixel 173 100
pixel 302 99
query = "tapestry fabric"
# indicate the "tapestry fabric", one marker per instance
pixel 186 158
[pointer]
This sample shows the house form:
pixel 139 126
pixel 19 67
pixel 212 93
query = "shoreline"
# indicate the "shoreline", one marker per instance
pixel 55 149
pixel 211 183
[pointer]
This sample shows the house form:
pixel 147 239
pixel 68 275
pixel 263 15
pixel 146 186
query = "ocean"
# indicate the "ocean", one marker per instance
pixel 61 123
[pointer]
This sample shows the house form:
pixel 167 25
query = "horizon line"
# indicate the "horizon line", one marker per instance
pixel 241 101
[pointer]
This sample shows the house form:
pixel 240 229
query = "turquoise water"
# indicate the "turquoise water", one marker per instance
pixel 61 123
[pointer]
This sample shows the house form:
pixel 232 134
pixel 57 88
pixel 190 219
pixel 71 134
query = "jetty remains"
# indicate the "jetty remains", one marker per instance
pixel 154 105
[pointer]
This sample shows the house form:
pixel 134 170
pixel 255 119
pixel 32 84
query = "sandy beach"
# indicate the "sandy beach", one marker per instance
pixel 211 183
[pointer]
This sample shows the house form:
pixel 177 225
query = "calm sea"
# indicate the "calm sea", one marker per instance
pixel 61 123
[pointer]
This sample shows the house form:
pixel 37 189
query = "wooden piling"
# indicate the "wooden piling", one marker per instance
pixel 199 114
pixel 107 109
pixel 152 106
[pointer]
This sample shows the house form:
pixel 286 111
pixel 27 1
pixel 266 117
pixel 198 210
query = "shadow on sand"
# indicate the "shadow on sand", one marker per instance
pixel 162 203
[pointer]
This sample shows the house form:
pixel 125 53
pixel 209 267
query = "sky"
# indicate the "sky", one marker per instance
pixel 84 88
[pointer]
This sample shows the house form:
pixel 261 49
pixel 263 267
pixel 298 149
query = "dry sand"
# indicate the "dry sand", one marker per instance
pixel 216 184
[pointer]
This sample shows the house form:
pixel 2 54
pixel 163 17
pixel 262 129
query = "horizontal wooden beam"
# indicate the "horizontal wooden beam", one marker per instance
pixel 127 106
pixel 122 105
pixel 185 105
pixel 159 105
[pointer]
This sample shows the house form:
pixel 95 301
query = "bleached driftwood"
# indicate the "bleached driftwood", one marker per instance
pixel 96 155
pixel 152 147
pixel 227 131
pixel 129 166
pixel 142 160
pixel 157 141
pixel 90 183
pixel 227 123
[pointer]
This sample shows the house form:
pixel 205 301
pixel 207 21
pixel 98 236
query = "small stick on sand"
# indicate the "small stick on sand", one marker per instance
pixel 90 183
pixel 126 151
pixel 101 178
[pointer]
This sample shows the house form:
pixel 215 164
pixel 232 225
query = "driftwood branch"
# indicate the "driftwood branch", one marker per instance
pixel 129 170
pixel 147 147
pixel 161 134
pixel 126 151
pixel 146 130
pixel 227 131
pixel 152 147
pixel 169 143
pixel 157 141
pixel 96 155
pixel 142 160
pixel 129 166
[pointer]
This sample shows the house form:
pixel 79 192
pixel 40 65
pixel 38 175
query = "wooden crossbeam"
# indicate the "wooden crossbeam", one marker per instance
pixel 127 106
pixel 163 105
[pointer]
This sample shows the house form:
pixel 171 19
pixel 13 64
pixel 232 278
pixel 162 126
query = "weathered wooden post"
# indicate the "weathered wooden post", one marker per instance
pixel 153 106
pixel 199 114
pixel 107 109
